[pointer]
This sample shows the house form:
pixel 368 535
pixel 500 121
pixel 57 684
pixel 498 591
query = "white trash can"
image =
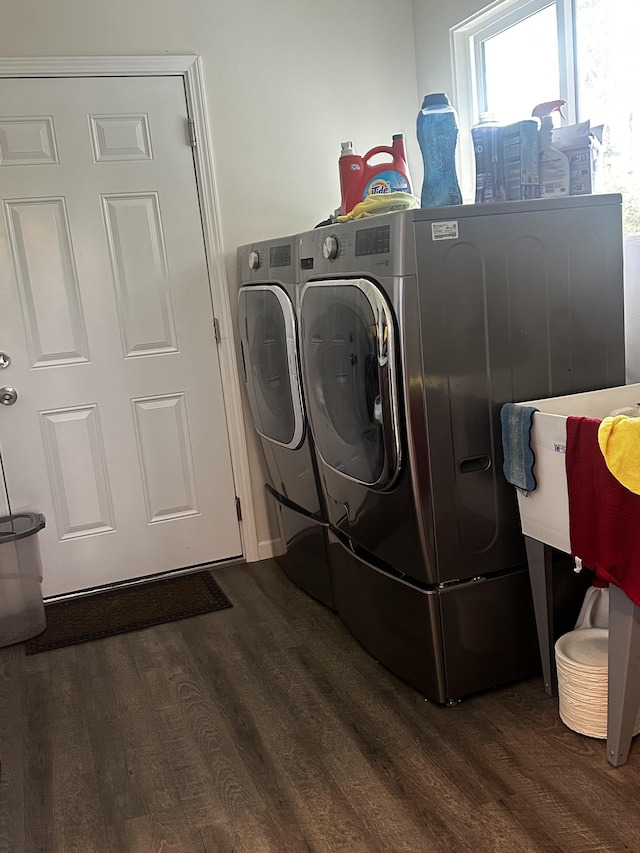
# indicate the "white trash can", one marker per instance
pixel 21 605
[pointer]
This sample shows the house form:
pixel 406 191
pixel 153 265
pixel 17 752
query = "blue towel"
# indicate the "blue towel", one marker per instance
pixel 516 443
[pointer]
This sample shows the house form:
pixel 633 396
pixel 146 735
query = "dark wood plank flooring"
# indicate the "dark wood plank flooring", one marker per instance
pixel 266 727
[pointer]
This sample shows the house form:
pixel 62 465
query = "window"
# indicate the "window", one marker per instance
pixel 518 53
pixel 503 92
pixel 607 66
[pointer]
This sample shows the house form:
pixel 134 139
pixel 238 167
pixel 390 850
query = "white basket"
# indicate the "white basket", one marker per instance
pixel 582 664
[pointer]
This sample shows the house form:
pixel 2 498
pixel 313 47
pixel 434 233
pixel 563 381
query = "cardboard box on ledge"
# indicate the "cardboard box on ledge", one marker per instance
pixel 582 145
pixel 521 159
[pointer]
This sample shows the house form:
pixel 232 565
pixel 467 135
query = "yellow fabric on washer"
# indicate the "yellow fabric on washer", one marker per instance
pixel 381 203
pixel 619 440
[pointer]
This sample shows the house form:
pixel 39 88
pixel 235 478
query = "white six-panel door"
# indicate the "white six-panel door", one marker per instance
pixel 118 432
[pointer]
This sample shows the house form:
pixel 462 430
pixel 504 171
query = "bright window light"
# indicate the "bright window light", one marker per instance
pixel 515 54
pixel 608 69
pixel 521 66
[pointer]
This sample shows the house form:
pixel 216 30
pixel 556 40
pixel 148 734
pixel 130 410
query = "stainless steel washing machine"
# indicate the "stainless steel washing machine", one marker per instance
pixel 267 324
pixel 416 327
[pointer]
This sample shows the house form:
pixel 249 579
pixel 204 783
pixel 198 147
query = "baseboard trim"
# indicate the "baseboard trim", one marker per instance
pixel 269 548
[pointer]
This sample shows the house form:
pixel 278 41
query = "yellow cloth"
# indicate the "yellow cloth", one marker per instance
pixel 619 440
pixel 372 205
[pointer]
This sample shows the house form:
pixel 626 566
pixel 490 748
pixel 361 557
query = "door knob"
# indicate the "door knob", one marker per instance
pixel 8 396
pixel 5 360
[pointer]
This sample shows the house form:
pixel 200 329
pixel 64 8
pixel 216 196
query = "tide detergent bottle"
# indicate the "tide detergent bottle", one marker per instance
pixel 359 178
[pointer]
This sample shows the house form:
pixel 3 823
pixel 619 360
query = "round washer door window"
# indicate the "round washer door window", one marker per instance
pixel 348 367
pixel 269 350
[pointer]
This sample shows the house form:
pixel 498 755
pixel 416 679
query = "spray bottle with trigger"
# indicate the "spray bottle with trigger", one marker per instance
pixel 555 171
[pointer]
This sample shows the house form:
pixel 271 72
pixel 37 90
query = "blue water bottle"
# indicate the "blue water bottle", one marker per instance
pixel 487 147
pixel 438 134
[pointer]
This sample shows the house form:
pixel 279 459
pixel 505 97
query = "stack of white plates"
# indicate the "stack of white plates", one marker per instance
pixel 582 664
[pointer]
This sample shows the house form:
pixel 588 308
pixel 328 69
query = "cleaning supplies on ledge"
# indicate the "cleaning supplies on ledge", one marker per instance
pixel 361 179
pixel 582 145
pixel 437 129
pixel 534 159
pixel 554 165
pixel 487 147
pixel 521 160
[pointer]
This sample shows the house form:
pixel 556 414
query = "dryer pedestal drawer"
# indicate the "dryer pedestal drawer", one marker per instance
pixel 445 642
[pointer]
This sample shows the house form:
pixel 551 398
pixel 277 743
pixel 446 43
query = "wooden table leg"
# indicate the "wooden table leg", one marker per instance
pixel 539 559
pixel 624 672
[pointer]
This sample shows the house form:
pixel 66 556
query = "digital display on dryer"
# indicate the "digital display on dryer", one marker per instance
pixel 373 241
pixel 280 256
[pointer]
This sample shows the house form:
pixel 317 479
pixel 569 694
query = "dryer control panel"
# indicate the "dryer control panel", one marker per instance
pixel 368 247
pixel 269 260
pixel 373 241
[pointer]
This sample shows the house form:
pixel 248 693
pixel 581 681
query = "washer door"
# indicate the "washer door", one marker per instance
pixel 348 355
pixel 268 340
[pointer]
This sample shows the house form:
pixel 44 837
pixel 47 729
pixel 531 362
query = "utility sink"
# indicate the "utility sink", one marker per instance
pixel 544 517
pixel 544 512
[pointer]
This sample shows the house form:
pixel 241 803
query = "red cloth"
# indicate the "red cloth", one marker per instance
pixel 604 516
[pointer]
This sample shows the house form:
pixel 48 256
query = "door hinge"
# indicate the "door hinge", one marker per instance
pixel 191 125
pixel 238 509
pixel 216 330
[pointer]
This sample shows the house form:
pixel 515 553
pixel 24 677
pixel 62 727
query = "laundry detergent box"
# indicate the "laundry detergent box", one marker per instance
pixel 582 145
pixel 521 160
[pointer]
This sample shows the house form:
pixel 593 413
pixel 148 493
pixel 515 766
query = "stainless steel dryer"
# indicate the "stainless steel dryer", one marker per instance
pixel 270 367
pixel 416 327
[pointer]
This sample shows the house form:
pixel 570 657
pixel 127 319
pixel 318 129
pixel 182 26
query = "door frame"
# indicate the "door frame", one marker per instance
pixel 189 67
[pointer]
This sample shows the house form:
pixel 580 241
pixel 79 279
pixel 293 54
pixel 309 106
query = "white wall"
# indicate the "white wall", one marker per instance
pixel 286 80
pixel 434 69
pixel 432 22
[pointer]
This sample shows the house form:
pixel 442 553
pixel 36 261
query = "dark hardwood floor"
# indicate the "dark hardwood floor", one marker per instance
pixel 266 727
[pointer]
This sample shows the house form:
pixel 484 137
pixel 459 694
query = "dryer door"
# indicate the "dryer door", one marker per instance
pixel 268 340
pixel 349 371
